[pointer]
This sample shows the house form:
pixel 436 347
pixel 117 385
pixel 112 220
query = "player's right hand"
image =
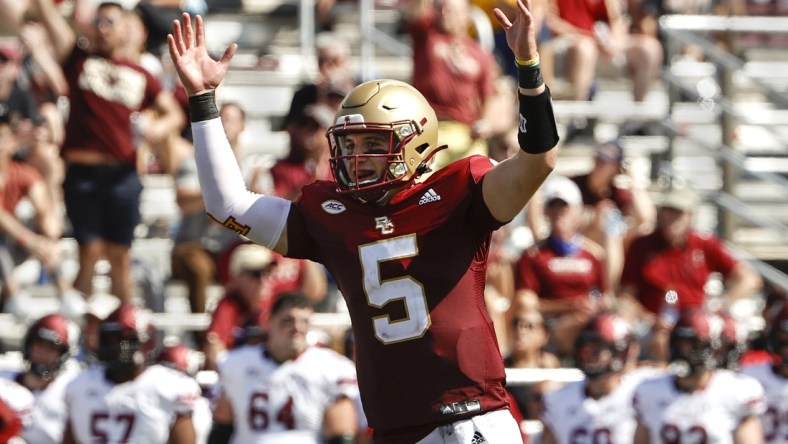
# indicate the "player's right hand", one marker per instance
pixel 198 72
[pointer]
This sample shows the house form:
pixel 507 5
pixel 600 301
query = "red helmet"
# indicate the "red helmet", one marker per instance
pixel 180 357
pixel 52 329
pixel 696 341
pixel 606 333
pixel 127 337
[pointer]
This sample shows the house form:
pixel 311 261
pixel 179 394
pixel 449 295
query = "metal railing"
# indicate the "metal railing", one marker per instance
pixel 682 30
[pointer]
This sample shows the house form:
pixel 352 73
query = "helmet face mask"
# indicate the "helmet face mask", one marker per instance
pixel 386 110
pixel 603 346
pixel 696 342
pixel 126 339
pixel 49 331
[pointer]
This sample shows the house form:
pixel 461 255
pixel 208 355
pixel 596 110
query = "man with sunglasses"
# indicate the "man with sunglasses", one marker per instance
pixel 250 292
pixel 102 188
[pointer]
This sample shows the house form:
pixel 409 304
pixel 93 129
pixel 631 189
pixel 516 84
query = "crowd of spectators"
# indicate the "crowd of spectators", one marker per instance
pixel 87 107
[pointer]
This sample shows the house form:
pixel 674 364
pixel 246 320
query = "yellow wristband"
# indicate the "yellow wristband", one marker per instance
pixel 527 63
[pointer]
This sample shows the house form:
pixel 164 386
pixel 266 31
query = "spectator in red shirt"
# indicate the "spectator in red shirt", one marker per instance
pixel 676 258
pixel 249 291
pixel 18 242
pixel 102 188
pixel 566 270
pixel 455 75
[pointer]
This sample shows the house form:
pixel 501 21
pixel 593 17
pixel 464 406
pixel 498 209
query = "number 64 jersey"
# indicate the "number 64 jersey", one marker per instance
pixel 708 415
pixel 283 402
pixel 140 411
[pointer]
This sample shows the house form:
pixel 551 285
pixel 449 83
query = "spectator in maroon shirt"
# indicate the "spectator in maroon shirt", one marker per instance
pixel 106 93
pixel 565 270
pixel 677 258
pixel 249 291
pixel 456 76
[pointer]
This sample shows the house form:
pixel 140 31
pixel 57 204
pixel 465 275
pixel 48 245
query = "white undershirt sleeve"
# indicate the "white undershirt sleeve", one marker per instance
pixel 259 217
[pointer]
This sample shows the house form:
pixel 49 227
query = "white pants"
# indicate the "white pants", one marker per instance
pixel 497 427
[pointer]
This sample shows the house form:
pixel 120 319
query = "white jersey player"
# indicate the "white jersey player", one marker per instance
pixel 19 400
pixel 140 411
pixel 46 349
pixel 699 403
pixel 774 379
pixel 284 390
pixel 599 408
pixel 126 399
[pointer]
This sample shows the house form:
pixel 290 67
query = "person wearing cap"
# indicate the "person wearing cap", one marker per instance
pixel 307 158
pixel 249 290
pixel 677 258
pixel 617 210
pixel 565 270
pixel 601 188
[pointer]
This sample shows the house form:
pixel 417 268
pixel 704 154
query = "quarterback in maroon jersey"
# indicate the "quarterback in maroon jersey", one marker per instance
pixel 408 255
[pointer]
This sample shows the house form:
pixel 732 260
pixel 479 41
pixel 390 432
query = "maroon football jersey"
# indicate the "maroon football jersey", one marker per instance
pixel 104 93
pixel 412 273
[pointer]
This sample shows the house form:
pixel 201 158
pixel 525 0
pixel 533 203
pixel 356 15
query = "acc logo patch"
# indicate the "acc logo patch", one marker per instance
pixel 333 206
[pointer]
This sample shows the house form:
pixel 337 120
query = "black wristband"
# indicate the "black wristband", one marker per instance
pixel 340 439
pixel 203 107
pixel 529 77
pixel 537 132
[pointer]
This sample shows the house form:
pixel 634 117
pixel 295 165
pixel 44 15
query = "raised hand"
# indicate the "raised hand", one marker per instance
pixel 198 72
pixel 520 33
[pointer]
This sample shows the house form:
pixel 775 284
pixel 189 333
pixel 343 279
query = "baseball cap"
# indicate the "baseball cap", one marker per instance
pixel 249 257
pixel 320 113
pixel 683 199
pixel 560 187
pixel 610 151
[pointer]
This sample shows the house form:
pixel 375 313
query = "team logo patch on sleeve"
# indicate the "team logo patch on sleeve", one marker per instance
pixel 333 206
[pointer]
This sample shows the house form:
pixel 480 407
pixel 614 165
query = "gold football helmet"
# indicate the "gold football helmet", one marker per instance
pixel 400 112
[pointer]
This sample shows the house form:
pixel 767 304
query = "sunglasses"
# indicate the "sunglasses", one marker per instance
pixel 103 21
pixel 257 273
pixel 526 324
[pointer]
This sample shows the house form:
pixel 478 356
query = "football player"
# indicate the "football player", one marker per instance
pixel 408 249
pixel 599 408
pixel 774 379
pixel 47 349
pixel 696 401
pixel 188 361
pixel 284 389
pixel 16 408
pixel 128 398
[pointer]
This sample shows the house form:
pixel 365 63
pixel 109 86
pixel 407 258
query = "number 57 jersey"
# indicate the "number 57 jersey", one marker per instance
pixel 138 411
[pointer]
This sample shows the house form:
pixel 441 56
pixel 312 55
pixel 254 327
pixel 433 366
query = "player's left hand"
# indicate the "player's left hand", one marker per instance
pixel 520 33
pixel 198 72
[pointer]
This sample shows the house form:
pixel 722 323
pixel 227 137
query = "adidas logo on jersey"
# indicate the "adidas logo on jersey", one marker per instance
pixel 429 196
pixel 478 438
